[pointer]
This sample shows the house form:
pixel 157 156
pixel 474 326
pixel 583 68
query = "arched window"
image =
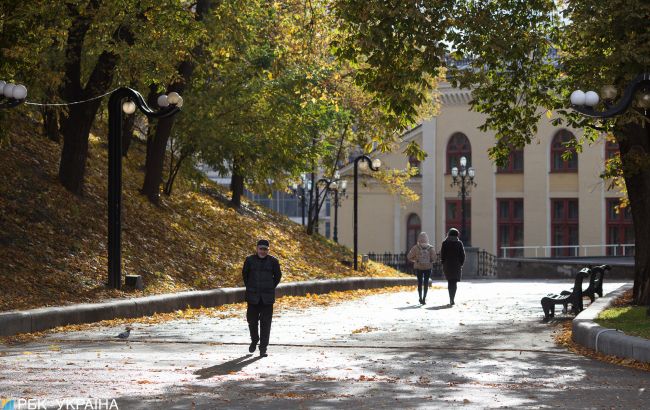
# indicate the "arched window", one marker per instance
pixel 413 229
pixel 558 147
pixel 458 146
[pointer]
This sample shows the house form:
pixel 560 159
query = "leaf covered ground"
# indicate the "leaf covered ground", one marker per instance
pixel 53 244
pixel 563 337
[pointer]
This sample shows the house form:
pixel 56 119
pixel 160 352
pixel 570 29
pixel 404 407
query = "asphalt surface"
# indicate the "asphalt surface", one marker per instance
pixel 491 350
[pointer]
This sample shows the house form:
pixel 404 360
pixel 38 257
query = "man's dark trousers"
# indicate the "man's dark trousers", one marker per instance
pixel 260 314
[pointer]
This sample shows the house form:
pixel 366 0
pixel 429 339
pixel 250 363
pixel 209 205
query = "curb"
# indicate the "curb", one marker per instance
pixel 35 320
pixel 588 333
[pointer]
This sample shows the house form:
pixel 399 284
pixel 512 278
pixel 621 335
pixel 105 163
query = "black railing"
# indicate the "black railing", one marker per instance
pixel 487 264
pixel 399 262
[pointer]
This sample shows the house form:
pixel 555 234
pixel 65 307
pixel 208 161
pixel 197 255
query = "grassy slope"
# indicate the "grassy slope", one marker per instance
pixel 53 244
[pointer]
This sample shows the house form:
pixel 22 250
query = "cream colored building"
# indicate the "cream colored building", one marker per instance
pixel 549 206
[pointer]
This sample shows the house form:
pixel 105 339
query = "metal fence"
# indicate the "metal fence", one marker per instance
pixel 399 262
pixel 486 263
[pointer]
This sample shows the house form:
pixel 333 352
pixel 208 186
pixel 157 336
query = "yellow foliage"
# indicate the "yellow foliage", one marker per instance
pixel 53 245
pixel 395 181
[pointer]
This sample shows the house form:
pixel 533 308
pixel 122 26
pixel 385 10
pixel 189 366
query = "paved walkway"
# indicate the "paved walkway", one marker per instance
pixel 384 351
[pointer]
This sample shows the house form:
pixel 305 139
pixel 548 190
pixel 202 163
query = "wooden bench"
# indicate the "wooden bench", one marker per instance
pixel 574 297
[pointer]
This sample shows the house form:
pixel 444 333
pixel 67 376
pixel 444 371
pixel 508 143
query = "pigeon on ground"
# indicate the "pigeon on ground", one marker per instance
pixel 125 334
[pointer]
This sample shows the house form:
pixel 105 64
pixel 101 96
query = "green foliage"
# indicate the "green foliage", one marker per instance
pixel 514 75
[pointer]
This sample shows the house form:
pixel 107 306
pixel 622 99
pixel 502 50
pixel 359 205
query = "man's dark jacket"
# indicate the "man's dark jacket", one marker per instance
pixel 261 276
pixel 452 257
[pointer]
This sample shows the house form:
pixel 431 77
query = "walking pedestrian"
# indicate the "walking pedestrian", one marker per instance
pixel 452 257
pixel 422 254
pixel 261 275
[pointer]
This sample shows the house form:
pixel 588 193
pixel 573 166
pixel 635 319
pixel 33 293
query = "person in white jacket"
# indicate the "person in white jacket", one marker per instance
pixel 422 254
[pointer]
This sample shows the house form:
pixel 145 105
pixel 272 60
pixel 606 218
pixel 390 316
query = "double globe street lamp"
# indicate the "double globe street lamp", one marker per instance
pixel 463 177
pixel 11 95
pixel 336 185
pixel 585 102
pixel 125 100
pixel 362 162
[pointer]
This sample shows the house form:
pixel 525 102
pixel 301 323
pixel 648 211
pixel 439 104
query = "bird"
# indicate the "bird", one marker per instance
pixel 126 333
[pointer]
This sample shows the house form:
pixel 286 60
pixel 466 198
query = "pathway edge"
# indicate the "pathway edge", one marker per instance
pixel 590 334
pixel 34 320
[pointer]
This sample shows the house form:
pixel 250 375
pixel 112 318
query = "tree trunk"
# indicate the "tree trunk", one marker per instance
pixel 634 143
pixel 76 129
pixel 173 171
pixel 237 188
pixel 51 124
pixel 154 163
pixel 76 126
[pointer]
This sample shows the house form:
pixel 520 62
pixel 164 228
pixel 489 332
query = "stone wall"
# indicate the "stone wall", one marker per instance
pixel 526 268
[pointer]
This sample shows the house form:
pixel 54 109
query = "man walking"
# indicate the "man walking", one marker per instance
pixel 261 275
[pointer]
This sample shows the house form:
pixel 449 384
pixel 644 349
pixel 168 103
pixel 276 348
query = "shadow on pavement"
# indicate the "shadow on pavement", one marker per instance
pixel 409 307
pixel 447 306
pixel 231 366
pixel 422 379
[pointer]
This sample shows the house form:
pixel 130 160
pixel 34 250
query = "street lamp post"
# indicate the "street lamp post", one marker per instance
pixel 585 102
pixel 364 162
pixel 463 177
pixel 125 100
pixel 12 95
pixel 342 188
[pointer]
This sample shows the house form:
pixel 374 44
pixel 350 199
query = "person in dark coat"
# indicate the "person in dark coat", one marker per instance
pixel 261 275
pixel 452 257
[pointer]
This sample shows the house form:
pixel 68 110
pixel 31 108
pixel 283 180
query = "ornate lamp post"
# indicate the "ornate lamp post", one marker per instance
pixel 125 100
pixel 12 95
pixel 301 191
pixel 362 162
pixel 341 188
pixel 463 177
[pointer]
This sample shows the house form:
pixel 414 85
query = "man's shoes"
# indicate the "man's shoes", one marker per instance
pixel 252 347
pixel 424 301
pixel 263 353
pixel 451 303
pixel 421 301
